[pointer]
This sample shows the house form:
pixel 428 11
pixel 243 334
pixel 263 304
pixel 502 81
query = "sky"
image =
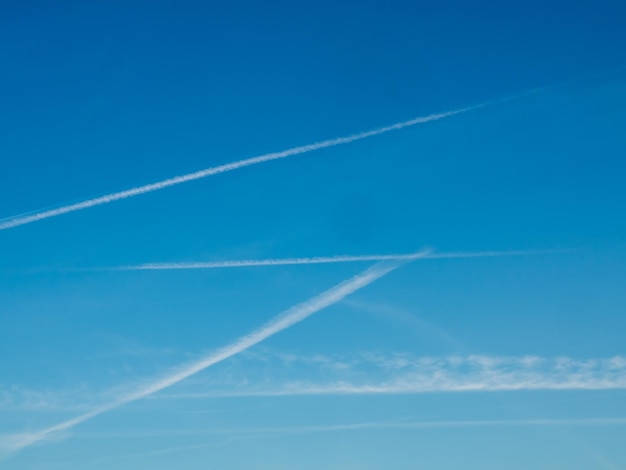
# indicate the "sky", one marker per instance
pixel 423 269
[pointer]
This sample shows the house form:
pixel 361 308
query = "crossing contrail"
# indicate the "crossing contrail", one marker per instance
pixel 16 221
pixel 281 322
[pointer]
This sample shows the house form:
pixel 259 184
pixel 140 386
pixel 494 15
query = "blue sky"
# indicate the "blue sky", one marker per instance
pixel 513 360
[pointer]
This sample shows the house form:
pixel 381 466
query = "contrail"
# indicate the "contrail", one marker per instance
pixel 297 261
pixel 28 218
pixel 262 262
pixel 281 322
pixel 16 221
pixel 318 260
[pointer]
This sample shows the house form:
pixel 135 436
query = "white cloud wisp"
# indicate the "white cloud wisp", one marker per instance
pixel 402 373
pixel 281 322
pixel 30 218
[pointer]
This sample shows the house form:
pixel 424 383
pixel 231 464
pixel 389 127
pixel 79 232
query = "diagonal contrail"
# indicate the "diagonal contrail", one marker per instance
pixel 30 218
pixel 281 322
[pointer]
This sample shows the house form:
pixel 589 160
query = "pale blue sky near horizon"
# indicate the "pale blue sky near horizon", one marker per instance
pixel 98 97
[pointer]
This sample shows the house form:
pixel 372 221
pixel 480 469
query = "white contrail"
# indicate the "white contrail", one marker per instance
pixel 282 321
pixel 29 218
pixel 310 260
pixel 262 262
pixel 297 261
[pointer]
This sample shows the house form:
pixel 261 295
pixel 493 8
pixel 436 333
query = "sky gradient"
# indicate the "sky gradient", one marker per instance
pixel 152 332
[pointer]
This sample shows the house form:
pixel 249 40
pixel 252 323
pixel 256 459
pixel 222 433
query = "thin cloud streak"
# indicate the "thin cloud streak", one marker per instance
pixel 30 218
pixel 376 374
pixel 281 322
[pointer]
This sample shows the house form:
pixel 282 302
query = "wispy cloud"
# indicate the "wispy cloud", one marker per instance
pixel 16 221
pixel 281 322
pixel 376 373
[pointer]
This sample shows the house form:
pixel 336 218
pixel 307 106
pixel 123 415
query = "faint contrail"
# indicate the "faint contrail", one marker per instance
pixel 282 321
pixel 29 218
